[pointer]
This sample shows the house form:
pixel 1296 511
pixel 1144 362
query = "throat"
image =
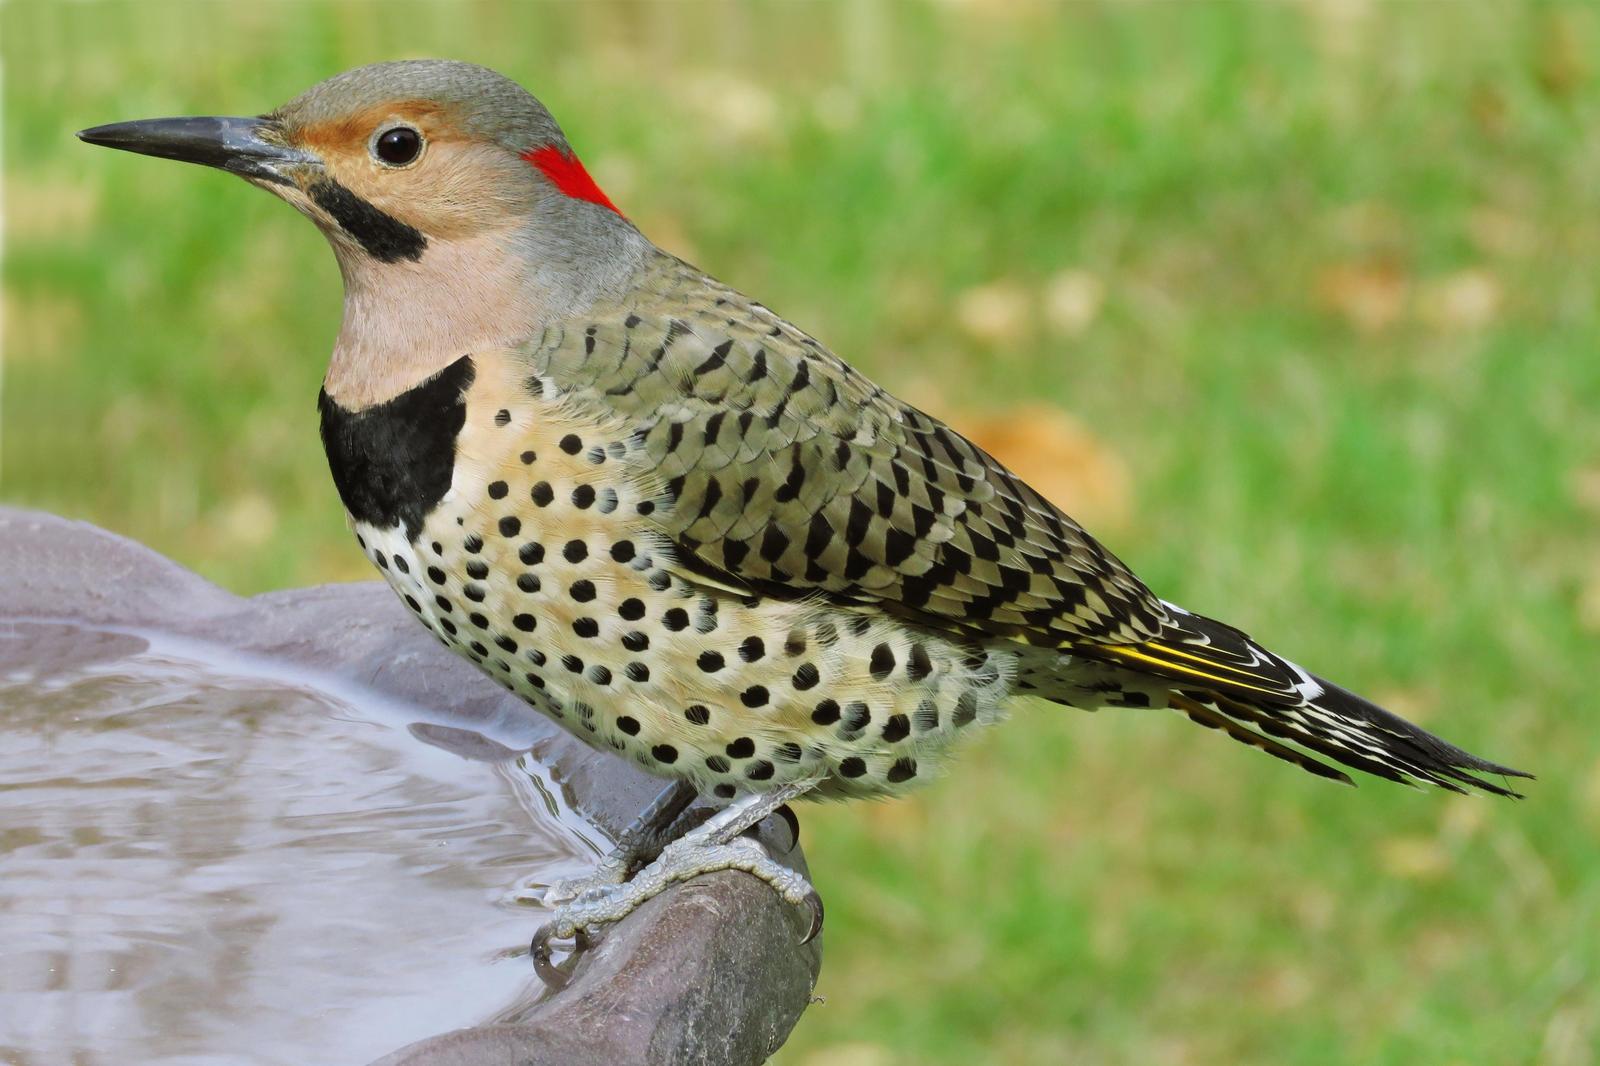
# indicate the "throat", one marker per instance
pixel 405 321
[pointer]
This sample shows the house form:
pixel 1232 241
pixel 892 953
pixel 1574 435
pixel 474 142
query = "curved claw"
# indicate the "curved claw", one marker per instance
pixel 814 905
pixel 792 822
pixel 552 975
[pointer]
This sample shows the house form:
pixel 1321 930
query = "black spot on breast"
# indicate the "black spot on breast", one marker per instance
pixel 902 770
pixel 383 236
pixel 826 713
pixel 919 665
pixel 392 462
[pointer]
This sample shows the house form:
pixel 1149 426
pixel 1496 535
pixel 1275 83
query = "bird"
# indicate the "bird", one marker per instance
pixel 681 527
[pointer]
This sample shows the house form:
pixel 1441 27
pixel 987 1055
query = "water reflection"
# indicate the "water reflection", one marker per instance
pixel 203 864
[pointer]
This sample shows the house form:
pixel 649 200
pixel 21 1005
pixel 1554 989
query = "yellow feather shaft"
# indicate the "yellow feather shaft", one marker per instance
pixel 1128 652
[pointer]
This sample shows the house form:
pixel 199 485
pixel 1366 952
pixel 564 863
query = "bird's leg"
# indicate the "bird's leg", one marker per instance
pixel 718 844
pixel 640 842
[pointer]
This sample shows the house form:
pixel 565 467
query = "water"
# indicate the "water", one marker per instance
pixel 203 860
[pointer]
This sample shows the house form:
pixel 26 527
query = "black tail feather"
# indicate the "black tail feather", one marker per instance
pixel 1207 716
pixel 1221 678
pixel 1359 734
pixel 1212 665
pixel 1309 738
pixel 1409 748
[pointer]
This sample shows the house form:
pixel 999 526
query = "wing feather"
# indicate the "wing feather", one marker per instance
pixel 784 471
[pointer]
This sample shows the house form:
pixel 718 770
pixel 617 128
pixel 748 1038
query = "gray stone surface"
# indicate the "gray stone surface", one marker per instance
pixel 709 972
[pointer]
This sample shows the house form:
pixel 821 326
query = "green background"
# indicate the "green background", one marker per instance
pixel 1317 283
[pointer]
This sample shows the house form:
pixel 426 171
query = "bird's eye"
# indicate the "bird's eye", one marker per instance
pixel 398 145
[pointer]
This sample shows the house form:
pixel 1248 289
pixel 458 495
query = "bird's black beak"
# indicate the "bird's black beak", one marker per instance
pixel 249 147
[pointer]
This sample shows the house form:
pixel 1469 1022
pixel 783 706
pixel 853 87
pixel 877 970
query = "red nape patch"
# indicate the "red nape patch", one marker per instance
pixel 568 175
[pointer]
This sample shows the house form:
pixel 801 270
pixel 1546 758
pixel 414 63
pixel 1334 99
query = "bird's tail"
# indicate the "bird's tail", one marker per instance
pixel 1350 730
pixel 1222 679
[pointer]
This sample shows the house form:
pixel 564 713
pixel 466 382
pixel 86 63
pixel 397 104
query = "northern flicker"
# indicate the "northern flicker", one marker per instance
pixel 678 525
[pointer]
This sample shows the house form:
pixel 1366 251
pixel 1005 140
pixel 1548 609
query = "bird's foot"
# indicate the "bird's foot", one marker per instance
pixel 608 895
pixel 664 820
pixel 602 904
pixel 612 871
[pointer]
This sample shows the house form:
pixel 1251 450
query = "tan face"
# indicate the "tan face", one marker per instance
pixel 414 161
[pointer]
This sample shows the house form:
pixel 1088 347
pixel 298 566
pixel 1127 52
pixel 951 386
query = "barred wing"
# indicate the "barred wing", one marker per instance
pixel 781 470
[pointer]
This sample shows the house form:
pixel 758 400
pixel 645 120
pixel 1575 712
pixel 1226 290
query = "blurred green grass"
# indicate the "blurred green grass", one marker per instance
pixel 1321 276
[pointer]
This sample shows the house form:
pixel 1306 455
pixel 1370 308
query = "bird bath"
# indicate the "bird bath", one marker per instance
pixel 291 829
pixel 199 853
